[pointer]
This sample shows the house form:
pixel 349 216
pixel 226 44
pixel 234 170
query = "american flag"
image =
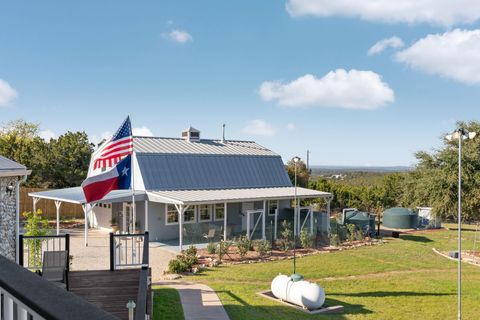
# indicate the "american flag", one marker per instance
pixel 119 146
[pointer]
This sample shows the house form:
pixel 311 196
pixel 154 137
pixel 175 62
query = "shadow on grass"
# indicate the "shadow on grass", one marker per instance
pixel 247 311
pixel 416 238
pixel 391 294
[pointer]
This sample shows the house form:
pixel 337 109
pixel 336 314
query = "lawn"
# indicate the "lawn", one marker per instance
pixel 402 279
pixel 166 304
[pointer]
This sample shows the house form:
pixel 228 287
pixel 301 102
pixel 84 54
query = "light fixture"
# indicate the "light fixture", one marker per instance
pixel 10 189
pixel 460 134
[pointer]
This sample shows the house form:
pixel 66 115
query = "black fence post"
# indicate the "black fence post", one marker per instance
pixel 20 249
pixel 67 248
pixel 146 244
pixel 112 247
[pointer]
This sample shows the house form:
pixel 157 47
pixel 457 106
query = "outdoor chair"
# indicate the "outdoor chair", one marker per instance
pixel 54 267
pixel 210 235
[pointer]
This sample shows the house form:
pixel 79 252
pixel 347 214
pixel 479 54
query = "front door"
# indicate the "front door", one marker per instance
pixel 245 207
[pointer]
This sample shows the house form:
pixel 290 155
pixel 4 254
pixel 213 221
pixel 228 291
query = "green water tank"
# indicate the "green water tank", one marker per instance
pixel 400 218
pixel 363 220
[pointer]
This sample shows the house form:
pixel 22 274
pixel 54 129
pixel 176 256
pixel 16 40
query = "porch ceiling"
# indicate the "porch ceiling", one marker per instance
pixel 187 197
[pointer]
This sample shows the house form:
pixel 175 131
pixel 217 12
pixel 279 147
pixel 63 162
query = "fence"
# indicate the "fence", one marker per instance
pixel 32 248
pixel 67 210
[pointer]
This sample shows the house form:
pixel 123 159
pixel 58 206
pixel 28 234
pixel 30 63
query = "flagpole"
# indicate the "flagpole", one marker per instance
pixel 134 212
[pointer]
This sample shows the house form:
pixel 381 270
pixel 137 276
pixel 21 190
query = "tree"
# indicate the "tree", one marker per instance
pixel 434 181
pixel 302 173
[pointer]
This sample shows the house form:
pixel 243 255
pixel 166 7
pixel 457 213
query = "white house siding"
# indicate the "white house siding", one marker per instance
pixel 102 216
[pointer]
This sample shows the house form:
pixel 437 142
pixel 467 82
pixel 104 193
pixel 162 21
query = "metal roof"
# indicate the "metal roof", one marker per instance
pixel 204 146
pixel 9 167
pixel 195 172
pixel 187 197
pixel 76 195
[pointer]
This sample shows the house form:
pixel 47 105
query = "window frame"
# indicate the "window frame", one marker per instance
pixel 268 207
pixel 166 215
pixel 194 215
pixel 200 214
pixel 215 212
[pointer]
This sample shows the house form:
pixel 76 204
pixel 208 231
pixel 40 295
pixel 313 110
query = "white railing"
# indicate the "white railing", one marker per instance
pixel 250 216
pixel 10 303
pixel 126 250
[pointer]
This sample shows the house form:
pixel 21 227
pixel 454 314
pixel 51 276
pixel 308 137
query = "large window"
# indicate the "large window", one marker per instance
pixel 171 214
pixel 189 215
pixel 272 207
pixel 219 212
pixel 205 212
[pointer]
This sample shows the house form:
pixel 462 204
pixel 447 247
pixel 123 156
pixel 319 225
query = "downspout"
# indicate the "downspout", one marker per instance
pixel 17 209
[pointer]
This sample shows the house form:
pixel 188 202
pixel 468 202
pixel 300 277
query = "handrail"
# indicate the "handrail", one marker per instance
pixel 41 239
pixel 142 303
pixel 33 295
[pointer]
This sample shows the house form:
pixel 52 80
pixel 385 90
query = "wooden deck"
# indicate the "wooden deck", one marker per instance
pixel 109 290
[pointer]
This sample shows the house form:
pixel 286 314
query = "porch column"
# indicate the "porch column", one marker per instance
pixel 57 205
pixel 328 214
pixel 146 216
pixel 85 211
pixel 35 200
pixel 311 219
pixel 134 218
pixel 263 219
pixel 181 210
pixel 224 221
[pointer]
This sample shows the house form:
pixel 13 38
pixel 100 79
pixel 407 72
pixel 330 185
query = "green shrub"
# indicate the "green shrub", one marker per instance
pixel 352 229
pixel 35 225
pixel 307 240
pixel 177 265
pixel 286 236
pixel 243 246
pixel 222 249
pixel 262 247
pixel 211 247
pixel 334 240
pixel 359 235
pixel 190 256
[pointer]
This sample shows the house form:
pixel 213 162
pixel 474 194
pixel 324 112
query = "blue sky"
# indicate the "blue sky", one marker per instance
pixel 86 65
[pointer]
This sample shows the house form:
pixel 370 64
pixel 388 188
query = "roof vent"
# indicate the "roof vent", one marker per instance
pixel 191 134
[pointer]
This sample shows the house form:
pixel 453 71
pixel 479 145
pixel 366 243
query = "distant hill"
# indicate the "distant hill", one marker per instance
pixel 321 170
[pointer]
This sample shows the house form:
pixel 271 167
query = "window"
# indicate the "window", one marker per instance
pixel 219 211
pixel 171 214
pixel 205 212
pixel 189 215
pixel 272 207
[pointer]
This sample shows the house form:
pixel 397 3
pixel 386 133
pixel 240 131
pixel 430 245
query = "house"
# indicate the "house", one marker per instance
pixel 12 174
pixel 191 189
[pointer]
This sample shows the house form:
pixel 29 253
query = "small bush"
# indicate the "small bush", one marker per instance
pixel 262 247
pixel 351 229
pixel 307 240
pixel 190 256
pixel 177 266
pixel 211 248
pixel 359 235
pixel 222 249
pixel 243 246
pixel 286 236
pixel 334 240
pixel 191 251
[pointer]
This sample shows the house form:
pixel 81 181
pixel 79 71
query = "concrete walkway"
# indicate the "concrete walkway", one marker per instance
pixel 199 301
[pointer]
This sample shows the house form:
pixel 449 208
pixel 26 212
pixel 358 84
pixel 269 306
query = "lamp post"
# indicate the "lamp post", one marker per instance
pixel 460 134
pixel 295 217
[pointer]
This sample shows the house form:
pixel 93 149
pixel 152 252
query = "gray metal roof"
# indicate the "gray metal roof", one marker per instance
pixel 233 195
pixel 10 167
pixel 194 171
pixel 204 146
pixel 76 195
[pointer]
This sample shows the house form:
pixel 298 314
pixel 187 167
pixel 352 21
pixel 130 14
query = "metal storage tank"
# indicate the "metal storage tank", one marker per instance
pixel 400 218
pixel 363 220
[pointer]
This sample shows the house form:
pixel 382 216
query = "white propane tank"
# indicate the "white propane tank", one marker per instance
pixel 303 293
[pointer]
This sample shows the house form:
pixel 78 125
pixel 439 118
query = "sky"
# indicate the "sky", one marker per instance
pixel 357 83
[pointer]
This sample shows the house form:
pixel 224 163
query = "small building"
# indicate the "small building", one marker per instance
pixel 427 219
pixel 12 174
pixel 189 189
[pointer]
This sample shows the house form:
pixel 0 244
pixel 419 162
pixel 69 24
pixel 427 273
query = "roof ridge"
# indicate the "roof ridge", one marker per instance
pixel 174 138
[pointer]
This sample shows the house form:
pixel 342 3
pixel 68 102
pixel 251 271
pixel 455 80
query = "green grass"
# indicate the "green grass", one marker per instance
pixel 166 304
pixel 402 279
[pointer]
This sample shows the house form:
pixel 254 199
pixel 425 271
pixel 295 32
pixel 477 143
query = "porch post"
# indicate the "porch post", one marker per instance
pixel 85 211
pixel 248 225
pixel 263 219
pixel 35 200
pixel 311 219
pixel 276 223
pixel 180 210
pixel 134 218
pixel 146 216
pixel 224 221
pixel 57 205
pixel 328 214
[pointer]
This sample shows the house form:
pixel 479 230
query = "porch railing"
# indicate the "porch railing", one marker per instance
pixel 126 250
pixel 32 249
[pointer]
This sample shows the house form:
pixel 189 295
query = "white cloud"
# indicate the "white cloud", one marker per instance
pixel 352 89
pixel 259 127
pixel 142 131
pixel 291 127
pixel 103 136
pixel 47 135
pixel 437 12
pixel 454 55
pixel 177 35
pixel 393 42
pixel 7 93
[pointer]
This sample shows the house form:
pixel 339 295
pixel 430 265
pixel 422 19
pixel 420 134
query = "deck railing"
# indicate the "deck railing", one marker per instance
pixel 32 248
pixel 126 250
pixel 142 311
